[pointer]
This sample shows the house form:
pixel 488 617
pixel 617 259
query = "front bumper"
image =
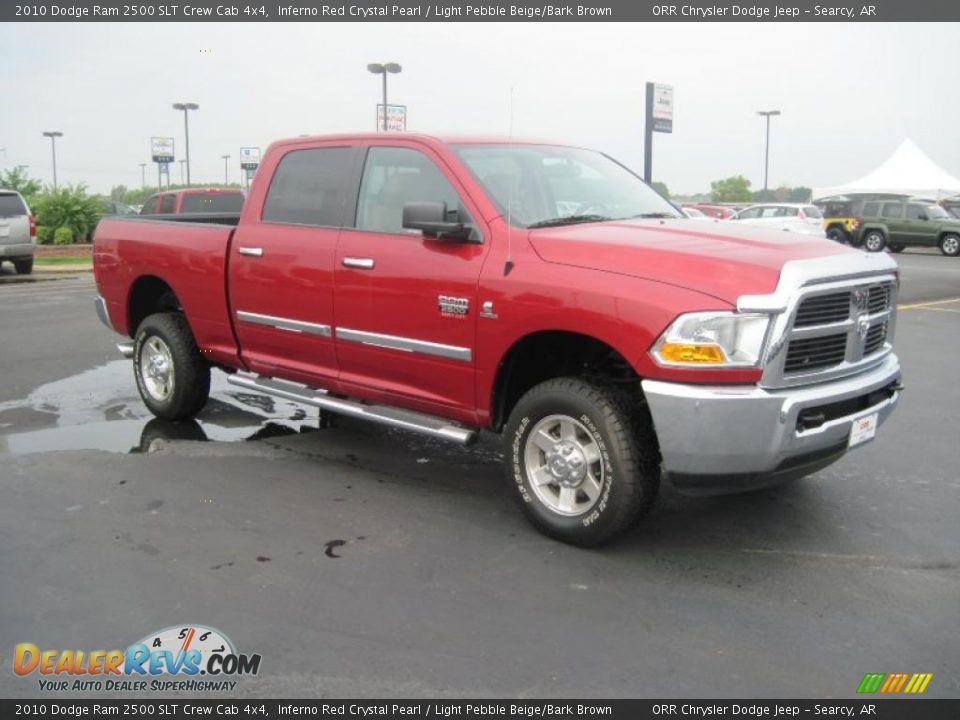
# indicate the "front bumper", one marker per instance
pixel 718 439
pixel 17 250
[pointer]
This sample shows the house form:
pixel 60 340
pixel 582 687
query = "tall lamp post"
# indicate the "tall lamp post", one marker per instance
pixel 383 69
pixel 143 174
pixel 53 135
pixel 186 107
pixel 225 169
pixel 766 155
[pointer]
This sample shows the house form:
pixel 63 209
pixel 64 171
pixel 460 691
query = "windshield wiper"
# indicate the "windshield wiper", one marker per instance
pixel 568 220
pixel 656 216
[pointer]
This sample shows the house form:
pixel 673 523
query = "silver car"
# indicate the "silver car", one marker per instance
pixel 18 232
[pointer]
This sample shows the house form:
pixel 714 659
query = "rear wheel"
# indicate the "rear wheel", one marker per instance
pixel 23 267
pixel 172 376
pixel 584 460
pixel 874 241
pixel 837 234
pixel 950 245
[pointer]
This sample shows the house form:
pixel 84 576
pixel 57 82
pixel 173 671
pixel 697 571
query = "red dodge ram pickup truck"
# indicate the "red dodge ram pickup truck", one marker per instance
pixel 539 291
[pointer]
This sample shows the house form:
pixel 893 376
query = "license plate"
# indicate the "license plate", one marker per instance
pixel 862 430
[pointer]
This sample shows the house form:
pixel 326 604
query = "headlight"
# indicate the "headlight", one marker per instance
pixel 721 339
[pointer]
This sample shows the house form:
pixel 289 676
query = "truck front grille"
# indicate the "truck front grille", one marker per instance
pixel 837 330
pixel 823 309
pixel 816 353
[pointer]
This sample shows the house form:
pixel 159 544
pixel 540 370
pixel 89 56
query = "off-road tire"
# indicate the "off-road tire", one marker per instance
pixel 950 245
pixel 190 371
pixel 622 430
pixel 838 234
pixel 874 241
pixel 23 267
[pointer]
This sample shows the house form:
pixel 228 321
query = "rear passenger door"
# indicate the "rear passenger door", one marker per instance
pixel 406 304
pixel 281 264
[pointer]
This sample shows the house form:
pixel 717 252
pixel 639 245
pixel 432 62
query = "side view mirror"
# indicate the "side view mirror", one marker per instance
pixel 431 219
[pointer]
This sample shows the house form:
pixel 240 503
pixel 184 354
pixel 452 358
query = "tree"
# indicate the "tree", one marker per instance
pixel 732 189
pixel 784 193
pixel 661 187
pixel 17 179
pixel 68 206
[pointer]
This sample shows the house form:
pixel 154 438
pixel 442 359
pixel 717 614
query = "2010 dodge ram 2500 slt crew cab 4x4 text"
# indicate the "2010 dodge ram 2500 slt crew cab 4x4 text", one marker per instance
pixel 539 291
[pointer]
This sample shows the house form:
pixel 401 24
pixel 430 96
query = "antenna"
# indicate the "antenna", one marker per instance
pixel 508 265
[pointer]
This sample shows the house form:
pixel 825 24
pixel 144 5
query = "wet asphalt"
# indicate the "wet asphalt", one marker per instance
pixel 364 562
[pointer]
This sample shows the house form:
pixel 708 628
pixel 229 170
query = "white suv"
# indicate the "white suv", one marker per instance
pixel 794 217
pixel 18 232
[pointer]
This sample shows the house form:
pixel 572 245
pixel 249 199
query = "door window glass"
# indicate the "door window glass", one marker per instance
pixel 166 203
pixel 309 188
pixel 395 176
pixel 914 212
pixel 892 210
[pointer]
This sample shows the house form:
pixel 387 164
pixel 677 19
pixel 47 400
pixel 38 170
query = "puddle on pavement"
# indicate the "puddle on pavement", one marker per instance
pixel 99 409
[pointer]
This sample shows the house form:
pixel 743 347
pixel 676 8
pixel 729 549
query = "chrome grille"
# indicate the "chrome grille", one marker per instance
pixel 878 299
pixel 836 330
pixel 875 339
pixel 823 309
pixel 816 353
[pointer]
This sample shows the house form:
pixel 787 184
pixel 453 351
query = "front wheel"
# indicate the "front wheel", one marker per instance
pixel 874 241
pixel 583 459
pixel 950 245
pixel 172 376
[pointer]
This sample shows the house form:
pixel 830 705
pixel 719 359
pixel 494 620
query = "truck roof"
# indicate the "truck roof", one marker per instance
pixel 427 137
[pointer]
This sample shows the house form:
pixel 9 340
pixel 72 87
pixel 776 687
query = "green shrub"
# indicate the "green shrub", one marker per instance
pixel 44 234
pixel 68 207
pixel 63 236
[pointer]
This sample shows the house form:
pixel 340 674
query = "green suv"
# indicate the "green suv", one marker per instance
pixel 896 224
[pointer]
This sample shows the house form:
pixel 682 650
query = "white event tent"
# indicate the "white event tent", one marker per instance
pixel 907 172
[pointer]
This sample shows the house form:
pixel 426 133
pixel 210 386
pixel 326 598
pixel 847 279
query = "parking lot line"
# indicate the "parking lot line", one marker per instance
pixel 928 304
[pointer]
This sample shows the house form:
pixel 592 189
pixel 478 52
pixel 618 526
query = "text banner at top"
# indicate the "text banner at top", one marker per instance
pixel 517 11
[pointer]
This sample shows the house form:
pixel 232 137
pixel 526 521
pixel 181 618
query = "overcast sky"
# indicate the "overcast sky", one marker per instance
pixel 849 93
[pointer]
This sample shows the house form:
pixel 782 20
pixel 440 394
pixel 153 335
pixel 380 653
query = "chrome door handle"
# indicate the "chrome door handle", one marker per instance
pixel 252 251
pixel 364 263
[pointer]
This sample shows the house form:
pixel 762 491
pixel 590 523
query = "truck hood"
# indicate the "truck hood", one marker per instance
pixel 722 259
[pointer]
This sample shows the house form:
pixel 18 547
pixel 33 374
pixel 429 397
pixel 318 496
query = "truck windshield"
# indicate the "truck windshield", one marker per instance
pixel 545 185
pixel 212 202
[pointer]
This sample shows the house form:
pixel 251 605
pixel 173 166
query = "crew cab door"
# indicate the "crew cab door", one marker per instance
pixel 406 304
pixel 280 277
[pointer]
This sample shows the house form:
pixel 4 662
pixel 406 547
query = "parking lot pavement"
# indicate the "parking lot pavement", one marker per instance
pixel 361 561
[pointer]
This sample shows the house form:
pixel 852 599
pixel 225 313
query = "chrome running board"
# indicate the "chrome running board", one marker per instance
pixel 383 414
pixel 125 349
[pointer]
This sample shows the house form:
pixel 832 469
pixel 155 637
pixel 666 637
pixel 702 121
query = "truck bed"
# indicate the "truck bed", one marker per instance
pixel 188 252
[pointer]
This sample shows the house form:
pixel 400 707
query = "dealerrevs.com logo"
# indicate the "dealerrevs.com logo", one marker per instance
pixel 179 658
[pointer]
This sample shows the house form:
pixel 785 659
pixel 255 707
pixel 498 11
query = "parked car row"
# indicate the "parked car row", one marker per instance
pixel 892 224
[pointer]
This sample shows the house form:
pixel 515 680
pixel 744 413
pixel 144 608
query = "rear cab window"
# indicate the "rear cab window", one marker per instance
pixel 308 188
pixel 210 202
pixel 11 205
pixel 167 203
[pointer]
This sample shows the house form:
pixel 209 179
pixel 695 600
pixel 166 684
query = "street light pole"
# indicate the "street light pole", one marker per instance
pixel 766 155
pixel 186 107
pixel 226 180
pixel 53 135
pixel 382 69
pixel 143 174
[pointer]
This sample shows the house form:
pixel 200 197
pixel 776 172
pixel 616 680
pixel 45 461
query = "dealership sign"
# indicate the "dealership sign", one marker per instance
pixel 396 118
pixel 249 158
pixel 161 148
pixel 662 108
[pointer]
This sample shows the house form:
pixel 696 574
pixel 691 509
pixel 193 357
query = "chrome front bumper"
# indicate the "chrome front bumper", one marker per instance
pixel 717 439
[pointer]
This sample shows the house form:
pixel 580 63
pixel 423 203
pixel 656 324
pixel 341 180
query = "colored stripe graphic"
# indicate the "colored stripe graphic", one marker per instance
pixel 871 682
pixel 894 683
